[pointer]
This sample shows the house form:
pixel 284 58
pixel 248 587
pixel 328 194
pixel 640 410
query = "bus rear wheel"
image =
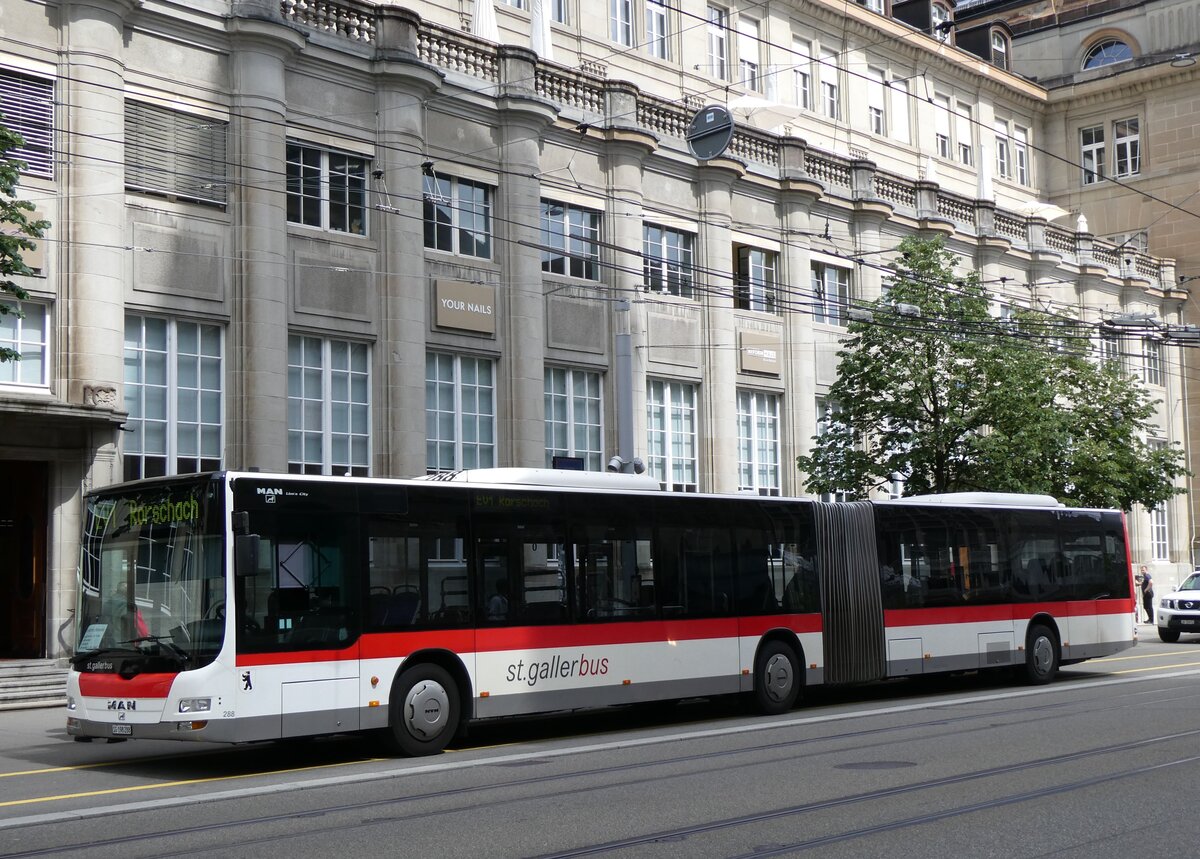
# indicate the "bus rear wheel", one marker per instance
pixel 777 679
pixel 424 712
pixel 1041 655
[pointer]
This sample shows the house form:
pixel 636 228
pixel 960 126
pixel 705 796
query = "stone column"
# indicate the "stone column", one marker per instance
pixel 94 229
pixel 799 195
pixel 523 119
pixel 258 336
pixel 404 290
pixel 718 458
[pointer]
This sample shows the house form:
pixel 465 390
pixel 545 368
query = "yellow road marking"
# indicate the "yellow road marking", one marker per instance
pixel 115 790
pixel 1146 656
pixel 1157 668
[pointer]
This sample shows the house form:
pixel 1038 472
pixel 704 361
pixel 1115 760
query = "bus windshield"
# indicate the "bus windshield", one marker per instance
pixel 151 590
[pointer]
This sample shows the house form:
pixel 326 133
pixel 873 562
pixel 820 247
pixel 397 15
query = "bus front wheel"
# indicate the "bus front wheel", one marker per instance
pixel 424 712
pixel 776 679
pixel 1041 655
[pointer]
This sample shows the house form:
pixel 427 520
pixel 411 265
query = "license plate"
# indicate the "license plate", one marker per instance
pixel 125 730
pixel 1185 622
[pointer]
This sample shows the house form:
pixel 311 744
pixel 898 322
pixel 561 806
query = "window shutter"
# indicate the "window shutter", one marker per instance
pixel 173 153
pixel 27 107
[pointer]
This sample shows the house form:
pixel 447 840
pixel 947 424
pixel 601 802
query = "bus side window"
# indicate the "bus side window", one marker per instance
pixel 417 575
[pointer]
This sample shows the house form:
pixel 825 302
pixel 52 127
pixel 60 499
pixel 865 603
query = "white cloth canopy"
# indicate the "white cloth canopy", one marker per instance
pixel 763 112
pixel 540 39
pixel 483 22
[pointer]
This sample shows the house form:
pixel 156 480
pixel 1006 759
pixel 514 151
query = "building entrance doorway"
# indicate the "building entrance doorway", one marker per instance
pixel 23 523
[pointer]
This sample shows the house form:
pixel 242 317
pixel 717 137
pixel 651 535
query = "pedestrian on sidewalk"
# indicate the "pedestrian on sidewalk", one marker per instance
pixel 1146 583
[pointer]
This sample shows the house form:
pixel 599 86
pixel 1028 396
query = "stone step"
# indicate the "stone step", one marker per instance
pixel 32 683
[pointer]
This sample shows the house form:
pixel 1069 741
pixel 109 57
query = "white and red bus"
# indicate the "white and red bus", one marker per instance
pixel 237 607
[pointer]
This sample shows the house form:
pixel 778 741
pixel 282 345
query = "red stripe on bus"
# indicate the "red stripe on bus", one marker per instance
pixel 116 686
pixel 393 644
pixel 1009 611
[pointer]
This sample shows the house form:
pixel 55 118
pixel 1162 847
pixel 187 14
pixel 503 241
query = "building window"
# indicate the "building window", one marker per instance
pixel 1152 365
pixel 1110 352
pixel 460 412
pixel 329 406
pixel 801 74
pixel 176 154
pixel 965 133
pixel 326 189
pixel 573 426
pixel 749 54
pixel 27 106
pixel 1091 142
pixel 900 114
pixel 1127 147
pixel 620 21
pixel 999 50
pixel 831 293
pixel 876 113
pixel 1106 53
pixel 516 4
pixel 24 330
pixel 558 11
pixel 758 442
pixel 1159 521
pixel 941 125
pixel 458 216
pixel 173 393
pixel 571 240
pixel 667 261
pixel 940 20
pixel 1020 144
pixel 756 282
pixel 1003 153
pixel 672 455
pixel 827 415
pixel 873 5
pixel 830 94
pixel 718 42
pixel 657 32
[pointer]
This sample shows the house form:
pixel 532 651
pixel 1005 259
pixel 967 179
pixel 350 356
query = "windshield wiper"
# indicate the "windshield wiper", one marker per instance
pixel 164 642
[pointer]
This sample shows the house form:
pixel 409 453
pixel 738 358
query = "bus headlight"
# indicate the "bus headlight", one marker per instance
pixel 195 705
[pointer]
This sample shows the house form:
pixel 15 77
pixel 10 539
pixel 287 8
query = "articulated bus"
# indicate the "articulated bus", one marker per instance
pixel 238 607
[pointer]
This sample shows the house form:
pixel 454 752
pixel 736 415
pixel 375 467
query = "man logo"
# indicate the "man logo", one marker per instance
pixel 271 493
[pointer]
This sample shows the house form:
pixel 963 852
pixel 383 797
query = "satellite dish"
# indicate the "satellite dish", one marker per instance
pixel 709 132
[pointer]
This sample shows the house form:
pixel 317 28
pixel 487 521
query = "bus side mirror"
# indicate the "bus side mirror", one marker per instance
pixel 245 555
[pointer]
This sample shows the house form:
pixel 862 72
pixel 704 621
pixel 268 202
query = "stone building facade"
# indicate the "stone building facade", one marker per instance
pixel 344 237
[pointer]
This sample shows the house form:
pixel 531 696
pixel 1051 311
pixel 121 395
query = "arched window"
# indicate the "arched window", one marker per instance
pixel 999 50
pixel 1106 52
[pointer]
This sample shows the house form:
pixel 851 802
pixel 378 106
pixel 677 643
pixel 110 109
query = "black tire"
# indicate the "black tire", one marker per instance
pixel 1041 655
pixel 1170 636
pixel 424 711
pixel 777 679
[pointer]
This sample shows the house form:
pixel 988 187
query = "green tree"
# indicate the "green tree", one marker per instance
pixel 937 390
pixel 17 231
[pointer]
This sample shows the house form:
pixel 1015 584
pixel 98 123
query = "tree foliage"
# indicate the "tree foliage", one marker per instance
pixel 935 389
pixel 17 231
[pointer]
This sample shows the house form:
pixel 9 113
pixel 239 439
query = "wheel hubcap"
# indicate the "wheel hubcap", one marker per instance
pixel 426 709
pixel 778 677
pixel 1043 654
